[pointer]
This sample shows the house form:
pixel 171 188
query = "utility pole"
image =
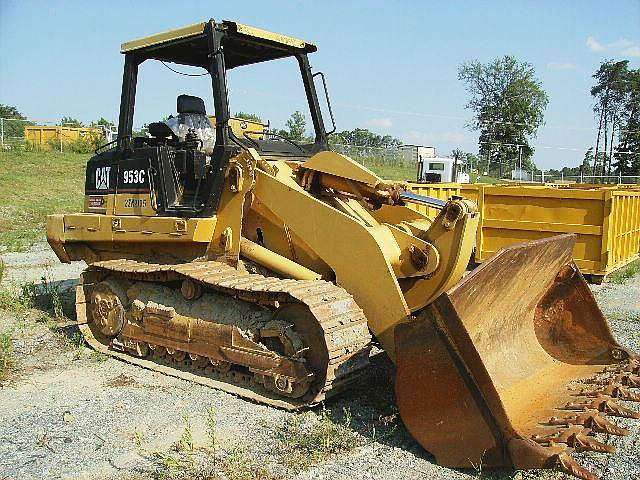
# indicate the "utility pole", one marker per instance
pixel 2 133
pixel 520 162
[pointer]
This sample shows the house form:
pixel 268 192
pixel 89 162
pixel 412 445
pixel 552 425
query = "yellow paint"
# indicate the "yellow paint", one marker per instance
pixel 88 227
pixel 51 137
pixel 168 35
pixel 267 35
pixel 243 128
pixel 606 218
pixel 341 166
pixel 139 204
pixel 198 28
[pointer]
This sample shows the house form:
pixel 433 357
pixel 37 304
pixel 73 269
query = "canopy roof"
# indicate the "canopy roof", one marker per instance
pixel 243 45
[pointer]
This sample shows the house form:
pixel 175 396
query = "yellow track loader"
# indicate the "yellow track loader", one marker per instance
pixel 269 268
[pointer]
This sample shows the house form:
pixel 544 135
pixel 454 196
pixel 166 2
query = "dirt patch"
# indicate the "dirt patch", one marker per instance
pixel 121 380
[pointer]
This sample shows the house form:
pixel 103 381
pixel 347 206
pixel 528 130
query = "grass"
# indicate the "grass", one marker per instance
pixel 185 443
pixel 307 439
pixel 488 179
pixel 621 276
pixel 391 172
pixel 186 460
pixel 7 358
pixel 212 427
pixel 43 304
pixel 17 301
pixel 32 186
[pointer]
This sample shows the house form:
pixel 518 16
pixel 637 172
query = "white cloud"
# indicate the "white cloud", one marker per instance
pixel 622 46
pixel 594 45
pixel 632 51
pixel 379 122
pixel 560 66
pixel 620 43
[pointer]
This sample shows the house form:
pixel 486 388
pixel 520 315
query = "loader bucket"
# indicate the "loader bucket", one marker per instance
pixel 515 366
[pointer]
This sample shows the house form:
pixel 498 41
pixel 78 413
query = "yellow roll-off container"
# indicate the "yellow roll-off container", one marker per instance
pixel 51 137
pixel 605 218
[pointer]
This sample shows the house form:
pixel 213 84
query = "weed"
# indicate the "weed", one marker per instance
pixel 75 342
pixel 171 462
pixel 138 438
pixel 50 295
pixel 7 359
pixel 237 465
pixel 98 357
pixel 185 444
pixel 211 423
pixel 17 300
pixel 308 439
pixel 8 300
pixel 625 273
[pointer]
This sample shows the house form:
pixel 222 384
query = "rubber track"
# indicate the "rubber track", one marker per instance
pixel 344 324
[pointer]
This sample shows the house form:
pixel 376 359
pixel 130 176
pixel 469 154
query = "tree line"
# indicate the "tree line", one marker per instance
pixel 616 95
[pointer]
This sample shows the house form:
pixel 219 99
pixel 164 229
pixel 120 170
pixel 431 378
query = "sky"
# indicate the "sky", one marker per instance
pixel 391 66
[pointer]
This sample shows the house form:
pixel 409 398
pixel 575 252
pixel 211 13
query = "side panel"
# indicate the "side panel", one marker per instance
pixel 606 219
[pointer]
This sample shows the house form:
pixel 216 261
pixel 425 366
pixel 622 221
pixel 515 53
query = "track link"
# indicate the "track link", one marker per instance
pixel 341 321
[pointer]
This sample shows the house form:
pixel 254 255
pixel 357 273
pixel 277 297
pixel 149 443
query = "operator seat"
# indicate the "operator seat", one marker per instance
pixel 192 115
pixel 188 105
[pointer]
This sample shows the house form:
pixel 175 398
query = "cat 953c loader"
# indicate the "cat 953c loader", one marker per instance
pixel 268 268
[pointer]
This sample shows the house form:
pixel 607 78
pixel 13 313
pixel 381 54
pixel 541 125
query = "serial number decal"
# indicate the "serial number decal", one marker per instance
pixel 135 203
pixel 134 176
pixel 96 201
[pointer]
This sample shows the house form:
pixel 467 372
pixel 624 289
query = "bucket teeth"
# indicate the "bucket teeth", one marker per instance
pixel 633 367
pixel 626 379
pixel 604 404
pixel 584 443
pixel 575 437
pixel 592 420
pixel 567 464
pixel 629 380
pixel 614 391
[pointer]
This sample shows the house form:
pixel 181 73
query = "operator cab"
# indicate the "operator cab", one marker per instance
pixel 179 168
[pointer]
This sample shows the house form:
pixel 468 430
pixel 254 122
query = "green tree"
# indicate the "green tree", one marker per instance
pixel 248 116
pixel 296 126
pixel 627 154
pixel 361 137
pixel 102 122
pixel 472 161
pixel 67 121
pixel 13 123
pixel 588 158
pixel 508 104
pixel 610 94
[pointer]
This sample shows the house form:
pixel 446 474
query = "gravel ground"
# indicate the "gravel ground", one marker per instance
pixel 69 413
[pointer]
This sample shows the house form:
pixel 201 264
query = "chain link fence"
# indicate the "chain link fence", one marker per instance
pixel 399 161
